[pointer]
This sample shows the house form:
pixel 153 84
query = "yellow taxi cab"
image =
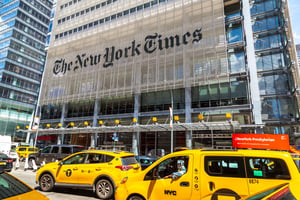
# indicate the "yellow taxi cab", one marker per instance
pixel 210 174
pixel 100 171
pixel 12 188
pixel 23 152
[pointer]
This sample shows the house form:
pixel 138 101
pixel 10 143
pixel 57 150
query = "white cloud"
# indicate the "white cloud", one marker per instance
pixel 296 38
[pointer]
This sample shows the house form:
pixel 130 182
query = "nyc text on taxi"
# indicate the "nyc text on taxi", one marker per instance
pixel 101 171
pixel 211 175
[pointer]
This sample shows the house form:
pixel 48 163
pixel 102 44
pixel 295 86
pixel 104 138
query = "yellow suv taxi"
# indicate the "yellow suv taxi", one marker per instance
pixel 210 175
pixel 23 152
pixel 101 171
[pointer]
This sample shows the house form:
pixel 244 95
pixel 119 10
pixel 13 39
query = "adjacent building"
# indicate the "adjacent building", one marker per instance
pixel 298 52
pixel 23 30
pixel 154 75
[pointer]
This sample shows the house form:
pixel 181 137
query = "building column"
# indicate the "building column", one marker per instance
pixel 188 116
pixel 95 123
pixel 32 136
pixel 136 136
pixel 60 138
pixel 252 69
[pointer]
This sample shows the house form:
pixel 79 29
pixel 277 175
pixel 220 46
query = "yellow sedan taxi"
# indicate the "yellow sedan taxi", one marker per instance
pixel 23 152
pixel 12 188
pixel 100 171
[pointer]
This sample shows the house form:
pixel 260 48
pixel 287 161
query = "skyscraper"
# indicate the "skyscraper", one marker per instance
pixel 23 30
pixel 116 65
pixel 298 53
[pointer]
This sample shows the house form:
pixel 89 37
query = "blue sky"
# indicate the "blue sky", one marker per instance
pixel 294 6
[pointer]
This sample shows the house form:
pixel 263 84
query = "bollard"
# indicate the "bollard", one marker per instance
pixel 34 166
pixel 26 164
pixel 17 165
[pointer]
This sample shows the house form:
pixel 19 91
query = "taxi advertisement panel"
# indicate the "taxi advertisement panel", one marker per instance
pixel 261 141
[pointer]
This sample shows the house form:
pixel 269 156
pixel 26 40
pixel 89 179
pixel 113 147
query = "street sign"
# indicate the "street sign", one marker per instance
pixel 261 141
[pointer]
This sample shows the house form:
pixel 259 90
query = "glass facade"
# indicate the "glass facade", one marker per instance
pixel 23 30
pixel 139 58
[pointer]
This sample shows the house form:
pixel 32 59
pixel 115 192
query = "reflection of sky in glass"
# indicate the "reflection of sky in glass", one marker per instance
pixel 294 6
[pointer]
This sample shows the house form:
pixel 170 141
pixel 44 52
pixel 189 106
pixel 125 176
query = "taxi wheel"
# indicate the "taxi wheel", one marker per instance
pixel 104 189
pixel 135 197
pixel 46 182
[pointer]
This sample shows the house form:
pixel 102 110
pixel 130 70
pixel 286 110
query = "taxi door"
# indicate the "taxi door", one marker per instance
pixel 94 164
pixel 266 173
pixel 164 186
pixel 180 185
pixel 223 177
pixel 69 170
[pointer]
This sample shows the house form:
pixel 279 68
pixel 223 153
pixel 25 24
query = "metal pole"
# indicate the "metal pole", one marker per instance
pixel 171 118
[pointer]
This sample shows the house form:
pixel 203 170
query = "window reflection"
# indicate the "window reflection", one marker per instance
pixel 277 108
pixel 272 41
pixel 270 62
pixel 237 62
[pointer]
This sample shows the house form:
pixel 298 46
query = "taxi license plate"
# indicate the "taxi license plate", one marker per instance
pixel 2 163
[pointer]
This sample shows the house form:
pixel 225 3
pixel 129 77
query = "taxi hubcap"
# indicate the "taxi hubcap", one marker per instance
pixel 104 188
pixel 46 182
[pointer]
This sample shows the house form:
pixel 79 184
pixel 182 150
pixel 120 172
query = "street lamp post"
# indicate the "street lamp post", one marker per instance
pixel 171 121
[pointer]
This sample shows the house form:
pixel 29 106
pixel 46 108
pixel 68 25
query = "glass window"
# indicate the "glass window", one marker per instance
pixel 263 6
pixel 55 150
pixel 95 158
pixel 237 62
pixel 265 24
pixel 66 150
pixel 267 168
pixel 281 83
pixel 168 168
pixel 224 166
pixel 203 93
pixel 234 34
pixel 272 41
pixel 238 89
pixel 270 85
pixel 46 150
pixel 130 160
pixel 77 159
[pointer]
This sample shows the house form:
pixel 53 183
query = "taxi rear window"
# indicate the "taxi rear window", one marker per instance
pixel 129 160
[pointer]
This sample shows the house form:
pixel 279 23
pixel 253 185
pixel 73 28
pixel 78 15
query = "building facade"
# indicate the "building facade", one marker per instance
pixel 155 75
pixel 23 30
pixel 298 52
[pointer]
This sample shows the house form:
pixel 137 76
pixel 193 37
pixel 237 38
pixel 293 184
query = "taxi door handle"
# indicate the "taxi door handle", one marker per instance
pixel 75 168
pixel 211 186
pixel 184 184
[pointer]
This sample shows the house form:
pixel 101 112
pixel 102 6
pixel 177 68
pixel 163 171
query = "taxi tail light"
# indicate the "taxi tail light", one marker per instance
pixel 10 160
pixel 124 167
pixel 124 180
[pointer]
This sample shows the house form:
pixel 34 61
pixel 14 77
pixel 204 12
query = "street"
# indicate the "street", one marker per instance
pixel 28 177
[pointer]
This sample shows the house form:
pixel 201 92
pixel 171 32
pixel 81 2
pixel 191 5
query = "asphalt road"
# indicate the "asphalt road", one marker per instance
pixel 28 177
